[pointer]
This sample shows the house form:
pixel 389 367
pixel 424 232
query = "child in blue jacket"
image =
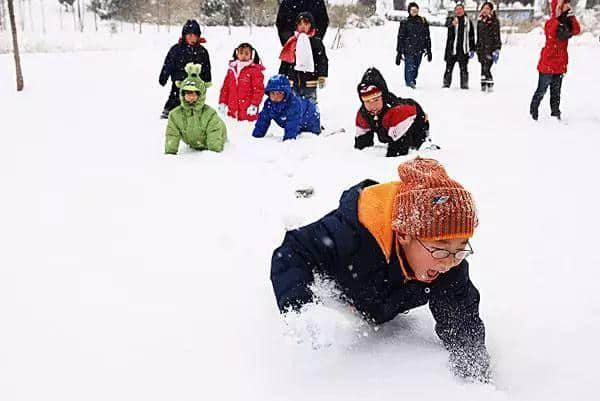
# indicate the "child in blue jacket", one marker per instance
pixel 292 113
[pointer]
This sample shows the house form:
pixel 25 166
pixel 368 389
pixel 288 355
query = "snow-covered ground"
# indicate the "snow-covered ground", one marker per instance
pixel 127 274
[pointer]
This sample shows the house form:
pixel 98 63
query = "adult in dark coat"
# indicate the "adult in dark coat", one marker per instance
pixel 393 111
pixel 414 41
pixel 460 46
pixel 362 247
pixel 288 13
pixel 488 44
pixel 189 49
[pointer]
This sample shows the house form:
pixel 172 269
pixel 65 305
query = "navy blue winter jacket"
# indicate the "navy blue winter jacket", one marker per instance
pixel 341 248
pixel 294 114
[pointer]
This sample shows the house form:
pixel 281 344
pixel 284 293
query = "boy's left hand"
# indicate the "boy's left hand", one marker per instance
pixel 471 364
pixel 322 82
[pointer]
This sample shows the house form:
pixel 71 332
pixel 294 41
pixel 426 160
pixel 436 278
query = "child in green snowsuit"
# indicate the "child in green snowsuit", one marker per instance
pixel 197 124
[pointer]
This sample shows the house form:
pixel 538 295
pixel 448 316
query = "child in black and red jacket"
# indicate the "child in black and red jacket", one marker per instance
pixel 303 59
pixel 189 49
pixel 401 123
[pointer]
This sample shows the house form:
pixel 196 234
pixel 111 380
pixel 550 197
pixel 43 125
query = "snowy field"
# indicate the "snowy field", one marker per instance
pixel 126 274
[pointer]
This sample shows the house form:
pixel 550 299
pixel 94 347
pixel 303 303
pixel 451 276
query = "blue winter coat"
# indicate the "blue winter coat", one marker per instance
pixel 294 114
pixel 341 248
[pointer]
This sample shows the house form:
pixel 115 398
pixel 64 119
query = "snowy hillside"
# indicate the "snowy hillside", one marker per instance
pixel 126 274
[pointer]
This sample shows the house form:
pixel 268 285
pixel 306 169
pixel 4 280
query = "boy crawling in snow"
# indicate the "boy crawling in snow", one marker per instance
pixel 197 124
pixel 391 248
pixel 292 113
pixel 401 123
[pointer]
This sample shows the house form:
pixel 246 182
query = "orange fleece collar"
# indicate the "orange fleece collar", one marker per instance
pixel 375 213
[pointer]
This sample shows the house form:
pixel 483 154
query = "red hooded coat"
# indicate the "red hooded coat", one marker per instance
pixel 555 57
pixel 243 89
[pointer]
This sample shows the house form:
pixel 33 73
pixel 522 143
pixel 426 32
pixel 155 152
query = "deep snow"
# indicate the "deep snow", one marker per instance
pixel 127 274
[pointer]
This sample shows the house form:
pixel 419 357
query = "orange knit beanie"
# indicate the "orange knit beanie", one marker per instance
pixel 430 205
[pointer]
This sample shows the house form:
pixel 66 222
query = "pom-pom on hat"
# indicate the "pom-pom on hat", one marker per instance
pixel 192 82
pixel 430 205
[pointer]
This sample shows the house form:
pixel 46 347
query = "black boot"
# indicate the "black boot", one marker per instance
pixel 534 114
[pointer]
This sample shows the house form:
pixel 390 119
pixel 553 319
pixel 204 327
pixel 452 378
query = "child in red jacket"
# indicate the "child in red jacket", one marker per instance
pixel 243 88
pixel 555 57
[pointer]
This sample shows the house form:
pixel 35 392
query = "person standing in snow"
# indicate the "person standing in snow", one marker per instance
pixel 390 248
pixel 401 123
pixel 414 41
pixel 243 87
pixel 194 122
pixel 303 59
pixel 288 14
pixel 460 46
pixel 292 113
pixel 189 49
pixel 488 44
pixel 554 57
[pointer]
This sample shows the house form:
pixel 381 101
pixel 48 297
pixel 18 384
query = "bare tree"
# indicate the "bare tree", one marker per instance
pixel 30 16
pixel 43 16
pixel 13 28
pixel 2 16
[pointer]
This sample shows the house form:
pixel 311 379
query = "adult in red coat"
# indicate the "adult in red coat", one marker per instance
pixel 243 87
pixel 555 57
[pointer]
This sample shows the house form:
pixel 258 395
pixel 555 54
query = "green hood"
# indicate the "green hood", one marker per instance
pixel 192 82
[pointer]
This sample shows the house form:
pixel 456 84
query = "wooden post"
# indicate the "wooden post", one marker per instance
pixel 13 28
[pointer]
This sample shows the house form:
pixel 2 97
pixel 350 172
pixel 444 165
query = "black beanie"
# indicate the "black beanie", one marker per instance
pixel 411 5
pixel 489 4
pixel 191 26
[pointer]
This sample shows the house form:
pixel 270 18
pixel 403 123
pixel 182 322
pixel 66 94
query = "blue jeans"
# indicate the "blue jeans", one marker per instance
pixel 554 81
pixel 412 62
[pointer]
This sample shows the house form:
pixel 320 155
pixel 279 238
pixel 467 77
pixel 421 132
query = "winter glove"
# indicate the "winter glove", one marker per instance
pixel 322 82
pixel 471 54
pixel 399 58
pixel 252 110
pixel 429 57
pixel 223 109
pixel 495 56
pixel 471 364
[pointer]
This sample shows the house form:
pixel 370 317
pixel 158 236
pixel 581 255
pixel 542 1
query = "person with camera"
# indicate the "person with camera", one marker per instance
pixel 554 57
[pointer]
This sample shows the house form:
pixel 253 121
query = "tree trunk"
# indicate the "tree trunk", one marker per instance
pixel 13 28
pixel 43 17
pixel 2 17
pixel 21 15
pixel 30 16
pixel 80 17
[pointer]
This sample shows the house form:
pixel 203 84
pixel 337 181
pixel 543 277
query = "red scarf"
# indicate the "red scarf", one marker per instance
pixel 288 53
pixel 198 43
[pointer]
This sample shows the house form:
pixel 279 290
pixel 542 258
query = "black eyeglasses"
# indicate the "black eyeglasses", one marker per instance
pixel 438 253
